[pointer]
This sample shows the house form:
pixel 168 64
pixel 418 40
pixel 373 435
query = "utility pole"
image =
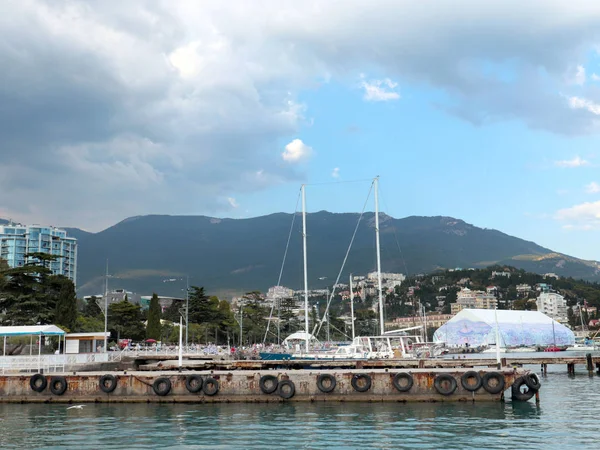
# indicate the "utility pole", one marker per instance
pixel 187 308
pixel 241 324
pixel 106 308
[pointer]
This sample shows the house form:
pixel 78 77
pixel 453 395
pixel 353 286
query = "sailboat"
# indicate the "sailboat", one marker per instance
pixel 553 347
pixel 383 346
pixel 587 344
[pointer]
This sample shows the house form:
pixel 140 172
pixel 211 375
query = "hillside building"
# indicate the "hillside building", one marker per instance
pixel 523 290
pixel 553 305
pixel 500 274
pixel 468 299
pixel 433 321
pixel 16 241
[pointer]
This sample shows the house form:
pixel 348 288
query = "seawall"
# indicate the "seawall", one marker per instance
pixel 334 385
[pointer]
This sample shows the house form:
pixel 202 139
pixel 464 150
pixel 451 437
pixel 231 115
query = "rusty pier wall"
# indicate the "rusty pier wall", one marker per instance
pixel 245 386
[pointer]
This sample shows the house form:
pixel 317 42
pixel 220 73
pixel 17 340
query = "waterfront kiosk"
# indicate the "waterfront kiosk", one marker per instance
pixel 85 342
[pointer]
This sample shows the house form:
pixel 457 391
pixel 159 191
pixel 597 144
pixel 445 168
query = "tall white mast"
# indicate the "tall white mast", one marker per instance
pixel 305 265
pixel 352 306
pixel 381 322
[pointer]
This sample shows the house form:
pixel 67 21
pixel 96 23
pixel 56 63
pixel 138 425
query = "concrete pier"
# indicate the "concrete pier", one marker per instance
pixel 275 385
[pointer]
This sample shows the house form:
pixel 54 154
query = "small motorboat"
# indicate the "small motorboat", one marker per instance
pixel 553 348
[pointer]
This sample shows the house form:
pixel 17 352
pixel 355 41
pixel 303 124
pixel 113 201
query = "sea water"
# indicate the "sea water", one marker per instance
pixel 568 416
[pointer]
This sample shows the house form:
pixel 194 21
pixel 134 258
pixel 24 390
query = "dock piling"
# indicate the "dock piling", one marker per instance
pixel 589 364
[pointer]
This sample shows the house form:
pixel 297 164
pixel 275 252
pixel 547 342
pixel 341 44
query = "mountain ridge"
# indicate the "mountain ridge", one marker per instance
pixel 229 255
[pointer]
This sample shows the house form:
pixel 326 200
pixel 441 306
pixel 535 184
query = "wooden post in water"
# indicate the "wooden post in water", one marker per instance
pixel 589 364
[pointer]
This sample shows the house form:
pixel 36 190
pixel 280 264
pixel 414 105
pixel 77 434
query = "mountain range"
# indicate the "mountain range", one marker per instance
pixel 154 253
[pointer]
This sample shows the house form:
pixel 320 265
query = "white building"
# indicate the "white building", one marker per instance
pixel 500 274
pixel 552 304
pixel 468 299
pixel 279 292
pixel 523 290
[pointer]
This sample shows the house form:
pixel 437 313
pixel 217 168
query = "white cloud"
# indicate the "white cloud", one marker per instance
pixel 380 90
pixel 233 202
pixel 579 76
pixel 584 216
pixel 582 103
pixel 575 162
pixel 139 103
pixel 296 151
pixel 595 77
pixel 592 188
pixel 336 172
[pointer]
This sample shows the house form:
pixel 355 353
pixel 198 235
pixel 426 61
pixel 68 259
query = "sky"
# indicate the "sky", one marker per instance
pixel 484 111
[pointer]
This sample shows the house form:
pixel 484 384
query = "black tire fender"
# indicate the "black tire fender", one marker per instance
pixel 533 381
pixel 38 378
pixel 516 392
pixel 162 386
pixel 108 383
pixel 403 376
pixel 193 383
pixel 210 387
pixel 286 389
pixel 268 384
pixel 464 381
pixel 439 384
pixel 326 377
pixel 499 387
pixel 58 385
pixel 361 376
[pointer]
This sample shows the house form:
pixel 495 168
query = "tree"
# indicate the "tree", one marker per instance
pixel 63 289
pixel 202 308
pixel 153 327
pixel 125 319
pixel 24 299
pixel 91 308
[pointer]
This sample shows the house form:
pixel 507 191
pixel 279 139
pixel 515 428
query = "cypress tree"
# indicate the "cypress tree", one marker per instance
pixel 153 327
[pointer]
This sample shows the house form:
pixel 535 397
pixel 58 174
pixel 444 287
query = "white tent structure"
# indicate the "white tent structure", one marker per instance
pixel 516 328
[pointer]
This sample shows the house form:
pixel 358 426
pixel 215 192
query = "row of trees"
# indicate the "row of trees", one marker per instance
pixel 31 295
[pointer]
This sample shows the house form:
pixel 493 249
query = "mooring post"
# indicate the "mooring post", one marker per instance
pixel 537 397
pixel 545 369
pixel 590 364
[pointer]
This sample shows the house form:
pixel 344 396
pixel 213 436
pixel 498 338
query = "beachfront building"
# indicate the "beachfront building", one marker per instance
pixel 432 320
pixel 552 304
pixel 17 241
pixel 466 298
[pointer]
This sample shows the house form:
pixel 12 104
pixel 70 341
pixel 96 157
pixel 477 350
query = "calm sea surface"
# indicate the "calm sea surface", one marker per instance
pixel 567 417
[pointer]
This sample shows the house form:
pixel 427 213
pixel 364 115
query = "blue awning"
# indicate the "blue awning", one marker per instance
pixel 46 330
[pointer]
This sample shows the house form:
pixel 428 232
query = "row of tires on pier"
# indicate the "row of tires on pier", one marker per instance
pixel 524 388
pixel 108 383
pixel 445 384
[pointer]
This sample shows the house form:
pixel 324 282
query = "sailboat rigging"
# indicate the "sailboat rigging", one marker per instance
pixel 361 347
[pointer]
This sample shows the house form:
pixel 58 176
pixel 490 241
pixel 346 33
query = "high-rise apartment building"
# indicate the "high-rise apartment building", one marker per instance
pixel 17 241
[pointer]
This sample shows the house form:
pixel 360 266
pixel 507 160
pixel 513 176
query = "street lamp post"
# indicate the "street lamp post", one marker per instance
pixel 106 309
pixel 187 308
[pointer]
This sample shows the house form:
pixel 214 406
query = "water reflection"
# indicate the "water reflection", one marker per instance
pixel 567 413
